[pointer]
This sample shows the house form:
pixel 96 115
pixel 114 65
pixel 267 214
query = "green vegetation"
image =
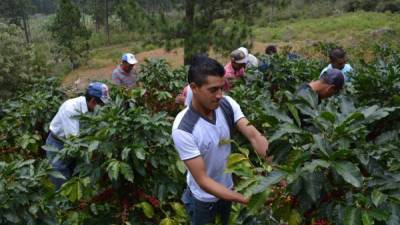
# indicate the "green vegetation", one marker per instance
pixel 347 29
pixel 70 34
pixel 18 63
pixel 340 164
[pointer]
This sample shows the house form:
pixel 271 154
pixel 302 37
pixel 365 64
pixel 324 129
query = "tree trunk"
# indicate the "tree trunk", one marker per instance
pixel 26 28
pixel 188 35
pixel 107 25
pixel 96 17
pixel 271 15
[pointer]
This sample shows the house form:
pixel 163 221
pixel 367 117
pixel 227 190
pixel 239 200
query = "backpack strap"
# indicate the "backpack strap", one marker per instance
pixel 228 113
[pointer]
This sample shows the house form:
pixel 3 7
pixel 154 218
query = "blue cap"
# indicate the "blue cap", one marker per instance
pixel 333 77
pixel 100 90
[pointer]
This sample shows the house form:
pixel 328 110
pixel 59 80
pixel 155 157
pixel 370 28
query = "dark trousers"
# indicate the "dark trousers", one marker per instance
pixel 202 213
pixel 63 166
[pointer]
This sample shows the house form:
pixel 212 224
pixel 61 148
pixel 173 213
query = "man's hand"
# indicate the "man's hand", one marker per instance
pixel 197 169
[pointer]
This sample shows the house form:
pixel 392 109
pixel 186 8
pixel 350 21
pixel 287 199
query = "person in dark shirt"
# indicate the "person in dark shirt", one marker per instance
pixel 329 83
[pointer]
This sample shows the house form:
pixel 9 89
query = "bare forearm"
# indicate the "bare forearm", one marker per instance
pixel 220 191
pixel 260 145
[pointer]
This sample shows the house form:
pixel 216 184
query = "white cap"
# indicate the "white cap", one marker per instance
pixel 240 55
pixel 129 58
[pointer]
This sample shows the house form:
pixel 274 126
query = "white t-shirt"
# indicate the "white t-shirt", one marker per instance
pixel 346 70
pixel 253 61
pixel 65 122
pixel 195 135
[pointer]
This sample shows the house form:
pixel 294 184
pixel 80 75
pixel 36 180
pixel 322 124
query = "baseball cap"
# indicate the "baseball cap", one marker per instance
pixel 240 55
pixel 99 90
pixel 129 58
pixel 333 77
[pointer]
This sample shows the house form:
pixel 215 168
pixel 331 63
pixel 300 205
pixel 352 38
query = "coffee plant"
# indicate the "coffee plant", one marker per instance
pixel 334 162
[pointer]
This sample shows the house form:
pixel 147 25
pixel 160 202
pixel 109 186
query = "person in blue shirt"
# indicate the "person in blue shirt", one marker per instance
pixel 338 59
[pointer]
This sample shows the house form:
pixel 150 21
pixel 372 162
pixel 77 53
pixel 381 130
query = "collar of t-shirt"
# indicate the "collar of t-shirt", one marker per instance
pixel 212 120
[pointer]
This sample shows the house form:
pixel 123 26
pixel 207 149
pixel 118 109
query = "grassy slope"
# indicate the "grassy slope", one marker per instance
pixel 350 30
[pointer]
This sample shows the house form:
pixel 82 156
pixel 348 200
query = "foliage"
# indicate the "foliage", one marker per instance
pixel 17 12
pixel 18 63
pixel 334 173
pixel 161 85
pixel 25 198
pixel 325 170
pixel 24 126
pixel 70 34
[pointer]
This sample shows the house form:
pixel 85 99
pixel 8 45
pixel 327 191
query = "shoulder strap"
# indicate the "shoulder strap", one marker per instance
pixel 228 113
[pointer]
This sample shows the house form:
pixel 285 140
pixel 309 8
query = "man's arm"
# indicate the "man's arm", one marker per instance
pixel 257 140
pixel 197 169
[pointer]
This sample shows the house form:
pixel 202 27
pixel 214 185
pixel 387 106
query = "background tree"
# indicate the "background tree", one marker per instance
pixel 17 12
pixel 70 34
pixel 221 24
pixel 18 63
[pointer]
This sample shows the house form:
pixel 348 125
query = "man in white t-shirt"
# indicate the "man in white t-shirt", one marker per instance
pixel 65 123
pixel 338 59
pixel 198 133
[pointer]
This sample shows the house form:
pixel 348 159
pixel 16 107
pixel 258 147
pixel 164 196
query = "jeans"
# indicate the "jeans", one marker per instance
pixel 62 166
pixel 202 213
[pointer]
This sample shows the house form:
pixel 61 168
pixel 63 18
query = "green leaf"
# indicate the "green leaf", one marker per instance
pixel 346 105
pixel 235 159
pixel 295 113
pixel 140 153
pixel 310 167
pixel 56 174
pixel 352 216
pixel 73 189
pixel 147 209
pixel 179 209
pixel 378 214
pixel 366 219
pixel 377 197
pixel 321 144
pixel 125 153
pixel 93 146
pixel 126 171
pixel 394 218
pixel 313 185
pixel 113 169
pixel 273 178
pixel 349 172
pixel 328 116
pixel 283 130
pixel 257 201
pixel 33 209
pixel 294 218
pixel 167 221
pixel 181 166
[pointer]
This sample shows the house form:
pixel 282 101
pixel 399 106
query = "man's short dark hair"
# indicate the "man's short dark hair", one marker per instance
pixel 337 53
pixel 271 49
pixel 333 77
pixel 203 66
pixel 97 99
